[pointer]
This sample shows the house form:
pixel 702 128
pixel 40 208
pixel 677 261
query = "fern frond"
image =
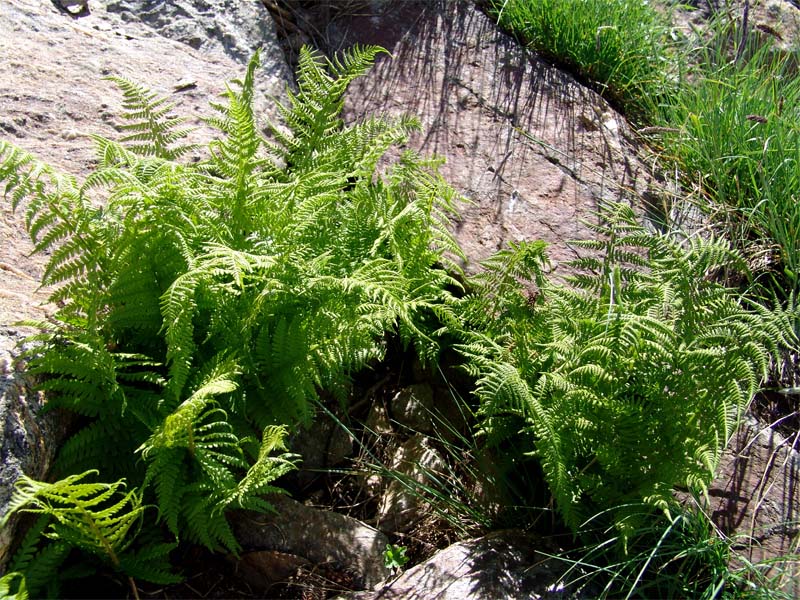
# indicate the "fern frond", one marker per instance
pixel 166 472
pixel 266 469
pixel 312 112
pixel 153 131
pixel 36 564
pixel 150 563
pixel 85 515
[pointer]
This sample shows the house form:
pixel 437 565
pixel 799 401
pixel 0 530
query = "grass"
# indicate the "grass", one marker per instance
pixel 616 45
pixel 734 131
pixel 681 555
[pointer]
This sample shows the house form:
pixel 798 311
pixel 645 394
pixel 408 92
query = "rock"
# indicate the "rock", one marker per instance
pixel 755 497
pixel 324 444
pixel 28 437
pixel 413 407
pixel 503 564
pixel 213 27
pixel 318 536
pixel 63 90
pixel 418 463
pixel 532 149
pixel 265 568
pixel 74 8
pixel 774 21
pixel 378 422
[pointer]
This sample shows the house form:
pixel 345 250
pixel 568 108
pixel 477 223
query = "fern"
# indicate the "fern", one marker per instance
pixel 312 115
pixel 153 131
pixel 33 567
pixel 99 519
pixel 206 306
pixel 632 380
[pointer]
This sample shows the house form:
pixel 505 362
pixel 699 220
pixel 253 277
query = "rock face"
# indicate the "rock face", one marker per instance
pixel 755 496
pixel 413 407
pixel 52 91
pixel 532 149
pixel 26 435
pixel 417 463
pixel 214 27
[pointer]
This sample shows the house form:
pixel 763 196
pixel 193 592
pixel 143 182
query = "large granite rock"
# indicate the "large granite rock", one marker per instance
pixel 214 27
pixel 532 149
pixel 416 464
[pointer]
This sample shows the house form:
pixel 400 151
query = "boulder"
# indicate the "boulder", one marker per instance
pixel 213 27
pixel 415 464
pixel 530 148
pixel 503 564
pixel 319 536
pixel 324 444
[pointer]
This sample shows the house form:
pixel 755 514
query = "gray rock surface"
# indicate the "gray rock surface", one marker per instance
pixel 502 565
pixel 27 436
pixel 323 445
pixel 413 407
pixel 215 27
pixel 318 536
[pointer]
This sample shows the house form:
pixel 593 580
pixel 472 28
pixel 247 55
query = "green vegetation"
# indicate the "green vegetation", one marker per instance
pixel 675 555
pixel 631 379
pixel 394 557
pixel 734 131
pixel 719 111
pixel 204 307
pixel 616 45
pixel 207 309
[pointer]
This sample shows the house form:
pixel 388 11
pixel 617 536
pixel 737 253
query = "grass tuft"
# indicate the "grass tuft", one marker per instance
pixel 616 45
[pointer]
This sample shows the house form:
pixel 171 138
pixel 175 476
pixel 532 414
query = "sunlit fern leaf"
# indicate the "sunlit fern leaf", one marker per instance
pixel 95 517
pixel 189 323
pixel 312 111
pixel 634 382
pixel 177 429
pixel 267 468
pixel 153 131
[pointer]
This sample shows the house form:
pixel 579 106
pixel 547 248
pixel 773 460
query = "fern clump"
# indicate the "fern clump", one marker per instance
pixel 99 519
pixel 632 379
pixel 203 307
